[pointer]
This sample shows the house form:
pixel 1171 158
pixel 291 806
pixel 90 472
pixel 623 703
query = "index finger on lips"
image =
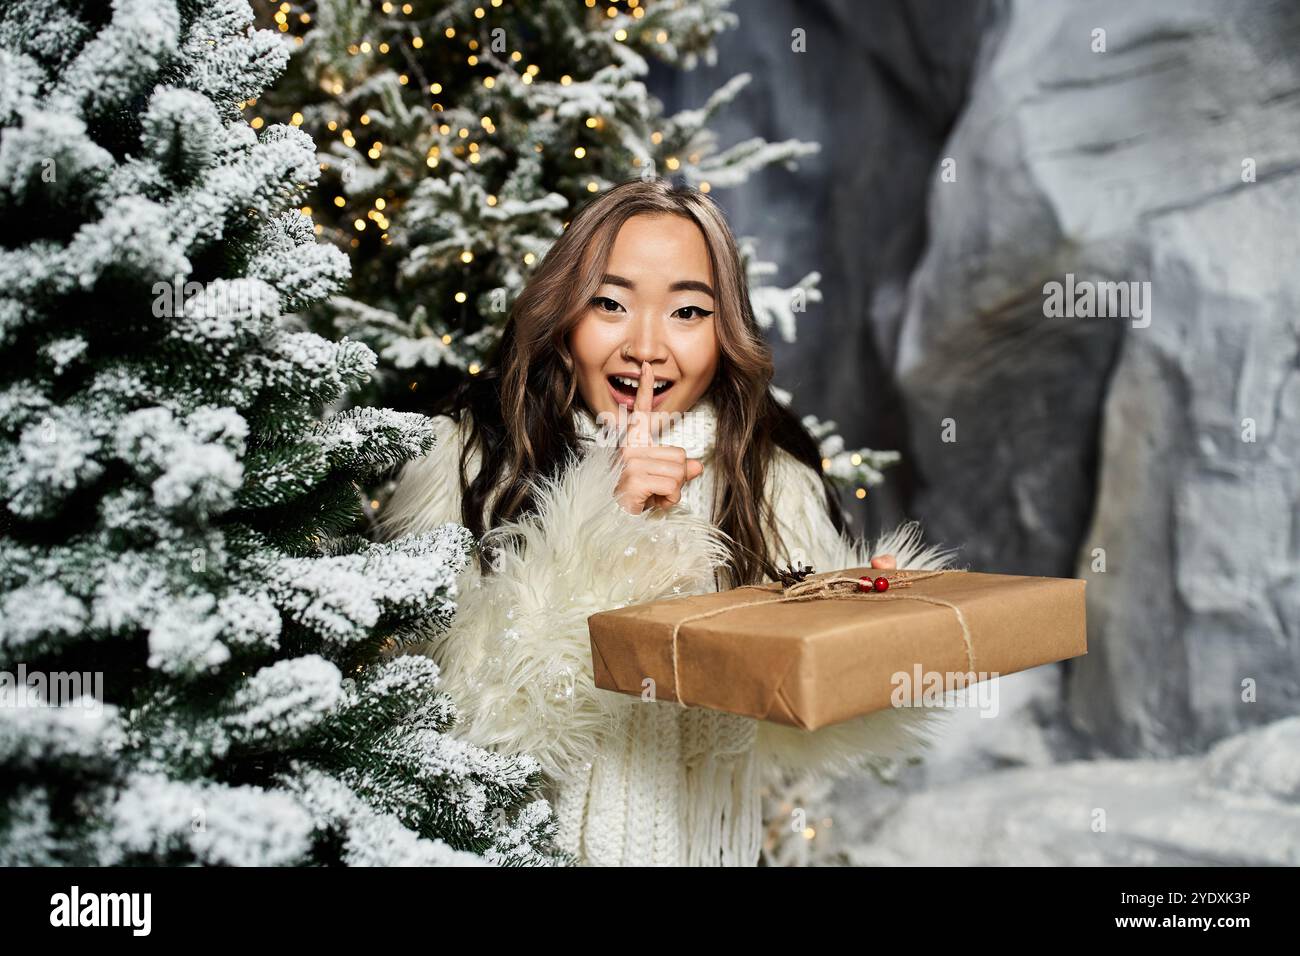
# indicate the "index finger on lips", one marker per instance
pixel 661 452
pixel 639 432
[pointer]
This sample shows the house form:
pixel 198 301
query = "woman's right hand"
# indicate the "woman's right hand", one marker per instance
pixel 653 474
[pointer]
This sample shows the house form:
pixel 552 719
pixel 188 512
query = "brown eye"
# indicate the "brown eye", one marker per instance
pixel 693 308
pixel 599 300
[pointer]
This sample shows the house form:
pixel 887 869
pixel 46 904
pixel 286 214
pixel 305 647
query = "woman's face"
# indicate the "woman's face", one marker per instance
pixel 656 304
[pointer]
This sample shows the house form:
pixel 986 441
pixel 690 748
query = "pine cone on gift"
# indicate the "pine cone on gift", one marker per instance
pixel 792 575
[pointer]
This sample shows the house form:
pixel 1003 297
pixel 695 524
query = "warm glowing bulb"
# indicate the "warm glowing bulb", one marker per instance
pixel 461 297
pixel 467 257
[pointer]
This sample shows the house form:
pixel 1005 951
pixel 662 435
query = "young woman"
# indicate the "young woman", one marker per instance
pixel 641 310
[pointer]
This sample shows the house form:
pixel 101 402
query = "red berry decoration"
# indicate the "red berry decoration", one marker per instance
pixel 864 583
pixel 882 584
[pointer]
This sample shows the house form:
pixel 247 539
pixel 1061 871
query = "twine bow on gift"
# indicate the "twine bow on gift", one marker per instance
pixel 799 586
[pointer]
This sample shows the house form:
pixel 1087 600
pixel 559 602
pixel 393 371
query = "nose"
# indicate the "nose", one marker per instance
pixel 645 342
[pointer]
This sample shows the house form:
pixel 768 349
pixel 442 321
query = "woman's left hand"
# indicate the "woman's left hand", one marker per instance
pixel 884 562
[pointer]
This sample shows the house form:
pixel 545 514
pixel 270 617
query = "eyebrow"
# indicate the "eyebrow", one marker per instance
pixel 681 285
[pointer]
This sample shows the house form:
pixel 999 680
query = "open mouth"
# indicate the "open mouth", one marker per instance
pixel 624 389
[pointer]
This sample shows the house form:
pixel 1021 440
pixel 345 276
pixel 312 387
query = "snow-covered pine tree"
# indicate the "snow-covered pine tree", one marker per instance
pixel 190 637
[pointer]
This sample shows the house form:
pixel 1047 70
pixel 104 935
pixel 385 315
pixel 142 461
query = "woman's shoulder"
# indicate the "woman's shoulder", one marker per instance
pixel 429 490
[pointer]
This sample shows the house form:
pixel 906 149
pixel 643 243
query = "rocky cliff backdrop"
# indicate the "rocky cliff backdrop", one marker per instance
pixel 1059 253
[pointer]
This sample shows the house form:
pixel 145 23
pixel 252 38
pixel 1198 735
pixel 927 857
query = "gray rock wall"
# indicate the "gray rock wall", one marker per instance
pixel 879 88
pixel 1127 165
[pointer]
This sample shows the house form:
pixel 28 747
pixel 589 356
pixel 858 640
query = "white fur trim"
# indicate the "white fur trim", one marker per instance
pixel 517 658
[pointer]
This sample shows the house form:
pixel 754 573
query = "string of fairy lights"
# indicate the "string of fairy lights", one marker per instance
pixel 406 37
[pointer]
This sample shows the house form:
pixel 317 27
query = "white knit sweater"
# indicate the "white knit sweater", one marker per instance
pixel 632 782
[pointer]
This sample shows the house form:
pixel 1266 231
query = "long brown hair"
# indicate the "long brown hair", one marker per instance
pixel 521 404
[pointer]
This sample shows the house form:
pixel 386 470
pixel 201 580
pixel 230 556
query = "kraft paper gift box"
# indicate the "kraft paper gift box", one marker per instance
pixel 814 662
